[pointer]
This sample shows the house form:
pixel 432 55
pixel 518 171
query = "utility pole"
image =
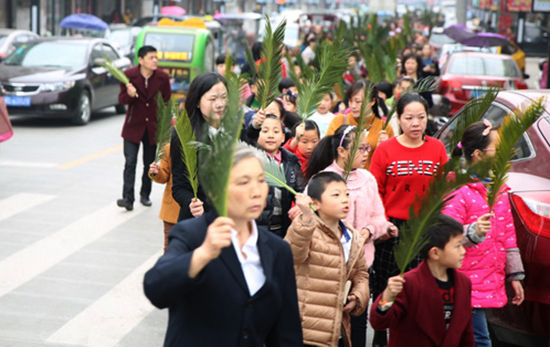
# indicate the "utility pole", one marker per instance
pixel 461 9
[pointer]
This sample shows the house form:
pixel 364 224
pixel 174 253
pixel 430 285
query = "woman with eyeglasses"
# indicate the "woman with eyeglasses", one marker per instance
pixel 366 211
pixel 403 166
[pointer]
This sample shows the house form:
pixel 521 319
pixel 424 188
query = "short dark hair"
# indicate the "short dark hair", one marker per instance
pixel 285 83
pixel 220 59
pixel 409 98
pixel 318 183
pixel 440 234
pixel 143 51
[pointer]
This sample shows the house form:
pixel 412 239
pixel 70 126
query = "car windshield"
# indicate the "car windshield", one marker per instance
pixel 2 39
pixel 441 39
pixel 122 37
pixel 49 54
pixel 484 66
pixel 171 47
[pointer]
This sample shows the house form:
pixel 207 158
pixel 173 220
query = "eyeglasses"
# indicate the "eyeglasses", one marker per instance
pixel 362 149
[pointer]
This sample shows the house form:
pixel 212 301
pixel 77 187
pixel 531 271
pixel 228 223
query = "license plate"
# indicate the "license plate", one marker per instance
pixel 24 101
pixel 476 93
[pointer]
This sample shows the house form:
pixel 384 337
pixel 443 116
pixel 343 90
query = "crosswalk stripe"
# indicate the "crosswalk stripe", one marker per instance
pixel 20 202
pixel 40 256
pixel 110 318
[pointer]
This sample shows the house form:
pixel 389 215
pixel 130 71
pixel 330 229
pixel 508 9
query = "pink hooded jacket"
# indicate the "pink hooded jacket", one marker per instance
pixel 485 263
pixel 366 208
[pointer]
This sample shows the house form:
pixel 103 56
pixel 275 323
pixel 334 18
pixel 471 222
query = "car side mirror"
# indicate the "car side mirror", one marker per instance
pixel 98 62
pixel 526 76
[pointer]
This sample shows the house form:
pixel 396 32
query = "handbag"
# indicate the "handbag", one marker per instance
pixel 6 131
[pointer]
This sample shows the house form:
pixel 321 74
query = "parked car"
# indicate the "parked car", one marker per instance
pixel 467 75
pixel 10 39
pixel 125 40
pixel 61 78
pixel 535 40
pixel 528 324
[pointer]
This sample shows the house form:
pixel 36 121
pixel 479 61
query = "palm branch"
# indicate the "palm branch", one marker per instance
pixel 218 149
pixel 275 174
pixel 425 212
pixel 270 66
pixel 510 132
pixel 189 150
pixel 165 112
pixel 366 113
pixel 292 73
pixel 471 113
pixel 116 72
pixel 333 62
pixel 250 59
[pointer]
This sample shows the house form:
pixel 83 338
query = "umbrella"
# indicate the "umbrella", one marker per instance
pixel 83 21
pixel 485 40
pixel 172 10
pixel 458 32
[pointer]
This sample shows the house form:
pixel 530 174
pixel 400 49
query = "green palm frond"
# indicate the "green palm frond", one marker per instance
pixel 428 84
pixel 189 149
pixel 270 67
pixel 292 73
pixel 250 59
pixel 471 113
pixel 510 132
pixel 333 62
pixel 218 150
pixel 275 174
pixel 425 212
pixel 364 116
pixel 116 72
pixel 165 113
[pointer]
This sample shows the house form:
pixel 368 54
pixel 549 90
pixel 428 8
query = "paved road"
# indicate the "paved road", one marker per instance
pixel 71 261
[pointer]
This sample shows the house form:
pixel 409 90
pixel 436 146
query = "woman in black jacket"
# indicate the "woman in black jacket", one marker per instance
pixel 226 281
pixel 205 105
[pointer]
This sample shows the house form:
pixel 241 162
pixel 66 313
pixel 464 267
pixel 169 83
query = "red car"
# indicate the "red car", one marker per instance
pixel 466 75
pixel 529 324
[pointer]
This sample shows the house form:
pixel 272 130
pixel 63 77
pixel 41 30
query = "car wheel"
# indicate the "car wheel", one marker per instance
pixel 83 112
pixel 120 109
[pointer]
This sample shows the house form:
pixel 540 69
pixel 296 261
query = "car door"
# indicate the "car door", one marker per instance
pixel 98 78
pixel 112 85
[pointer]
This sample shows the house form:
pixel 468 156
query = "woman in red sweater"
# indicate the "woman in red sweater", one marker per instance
pixel 403 166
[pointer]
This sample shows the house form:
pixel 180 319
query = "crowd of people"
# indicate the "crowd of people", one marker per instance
pixel 300 270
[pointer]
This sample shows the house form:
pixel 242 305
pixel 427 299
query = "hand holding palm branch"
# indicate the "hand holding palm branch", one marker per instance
pixel 116 72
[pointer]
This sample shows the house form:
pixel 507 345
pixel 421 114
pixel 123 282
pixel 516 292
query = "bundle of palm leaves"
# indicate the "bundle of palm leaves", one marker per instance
pixel 270 68
pixel 513 127
pixel 116 72
pixel 165 113
pixel 189 149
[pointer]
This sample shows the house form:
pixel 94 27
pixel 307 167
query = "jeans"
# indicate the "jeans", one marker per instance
pixel 481 331
pixel 130 154
pixel 359 329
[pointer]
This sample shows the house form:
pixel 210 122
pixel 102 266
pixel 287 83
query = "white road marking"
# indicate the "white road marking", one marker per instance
pixel 21 202
pixel 40 256
pixel 27 164
pixel 108 320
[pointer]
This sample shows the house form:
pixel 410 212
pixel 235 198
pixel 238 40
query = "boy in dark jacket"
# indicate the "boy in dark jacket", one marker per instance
pixel 279 201
pixel 430 305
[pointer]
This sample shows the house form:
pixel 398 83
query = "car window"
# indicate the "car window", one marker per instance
pixel 495 114
pixel 49 54
pixel 110 53
pixel 97 53
pixel 471 65
pixel 171 47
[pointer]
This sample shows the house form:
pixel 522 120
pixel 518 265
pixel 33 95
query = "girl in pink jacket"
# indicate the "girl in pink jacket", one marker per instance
pixel 366 214
pixel 492 254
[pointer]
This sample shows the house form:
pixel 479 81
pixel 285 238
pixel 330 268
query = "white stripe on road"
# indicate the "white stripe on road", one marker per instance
pixel 27 164
pixel 40 256
pixel 113 316
pixel 20 202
